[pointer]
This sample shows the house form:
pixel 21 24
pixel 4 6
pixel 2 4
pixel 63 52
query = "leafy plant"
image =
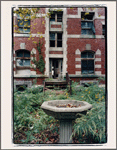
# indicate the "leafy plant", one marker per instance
pixel 40 64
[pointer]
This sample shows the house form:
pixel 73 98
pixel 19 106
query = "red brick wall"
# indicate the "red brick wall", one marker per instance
pixel 101 12
pixel 55 52
pixel 72 11
pixel 38 25
pixel 55 26
pixel 98 26
pixel 74 26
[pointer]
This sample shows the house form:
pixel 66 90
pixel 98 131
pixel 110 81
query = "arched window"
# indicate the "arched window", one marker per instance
pixel 22 58
pixel 87 62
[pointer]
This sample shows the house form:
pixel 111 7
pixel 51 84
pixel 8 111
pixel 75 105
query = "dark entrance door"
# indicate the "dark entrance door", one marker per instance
pixel 57 64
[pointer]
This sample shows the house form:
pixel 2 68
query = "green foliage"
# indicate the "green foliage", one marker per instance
pixel 31 124
pixel 40 64
pixel 35 90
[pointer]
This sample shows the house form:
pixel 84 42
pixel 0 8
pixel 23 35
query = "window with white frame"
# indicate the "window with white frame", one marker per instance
pixel 87 62
pixel 22 59
pixel 55 39
pixel 56 16
pixel 87 24
pixel 24 24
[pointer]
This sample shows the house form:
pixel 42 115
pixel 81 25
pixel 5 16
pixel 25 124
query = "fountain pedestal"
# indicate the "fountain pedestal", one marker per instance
pixel 65 115
pixel 65 131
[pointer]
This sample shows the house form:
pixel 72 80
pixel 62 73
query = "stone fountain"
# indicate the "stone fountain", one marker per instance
pixel 65 111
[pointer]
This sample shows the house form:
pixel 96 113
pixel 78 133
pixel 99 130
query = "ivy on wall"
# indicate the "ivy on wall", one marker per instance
pixel 40 64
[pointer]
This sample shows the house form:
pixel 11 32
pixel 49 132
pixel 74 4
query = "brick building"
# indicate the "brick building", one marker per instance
pixel 73 42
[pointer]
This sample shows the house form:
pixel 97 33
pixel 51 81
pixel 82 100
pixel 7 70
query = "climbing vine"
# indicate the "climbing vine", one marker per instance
pixel 40 64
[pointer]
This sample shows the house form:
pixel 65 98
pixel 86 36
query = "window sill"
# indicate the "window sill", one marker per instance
pixel 55 49
pixel 21 35
pixel 87 36
pixel 29 76
pixel 92 36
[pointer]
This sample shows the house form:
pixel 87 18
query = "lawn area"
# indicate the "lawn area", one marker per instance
pixel 33 126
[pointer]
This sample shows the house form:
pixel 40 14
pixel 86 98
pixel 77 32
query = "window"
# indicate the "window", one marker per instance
pixel 103 30
pixel 55 39
pixel 24 24
pixel 87 25
pixel 87 62
pixel 56 16
pixel 23 59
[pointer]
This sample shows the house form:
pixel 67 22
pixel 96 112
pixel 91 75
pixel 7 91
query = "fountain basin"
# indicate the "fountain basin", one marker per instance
pixel 50 108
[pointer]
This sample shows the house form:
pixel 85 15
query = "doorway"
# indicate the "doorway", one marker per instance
pixel 57 64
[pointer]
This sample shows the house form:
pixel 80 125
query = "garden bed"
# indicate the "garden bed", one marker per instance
pixel 33 126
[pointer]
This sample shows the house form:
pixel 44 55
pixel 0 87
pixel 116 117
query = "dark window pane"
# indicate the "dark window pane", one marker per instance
pixel 87 31
pixel 20 54
pixel 88 16
pixel 26 54
pixel 86 24
pixel 52 36
pixel 52 43
pixel 91 66
pixel 84 66
pixel 59 43
pixel 84 55
pixel 26 62
pixel 87 66
pixel 103 30
pixel 90 32
pixel 59 17
pixel 52 17
pixel 59 36
pixel 83 31
pixel 87 55
pixel 90 55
